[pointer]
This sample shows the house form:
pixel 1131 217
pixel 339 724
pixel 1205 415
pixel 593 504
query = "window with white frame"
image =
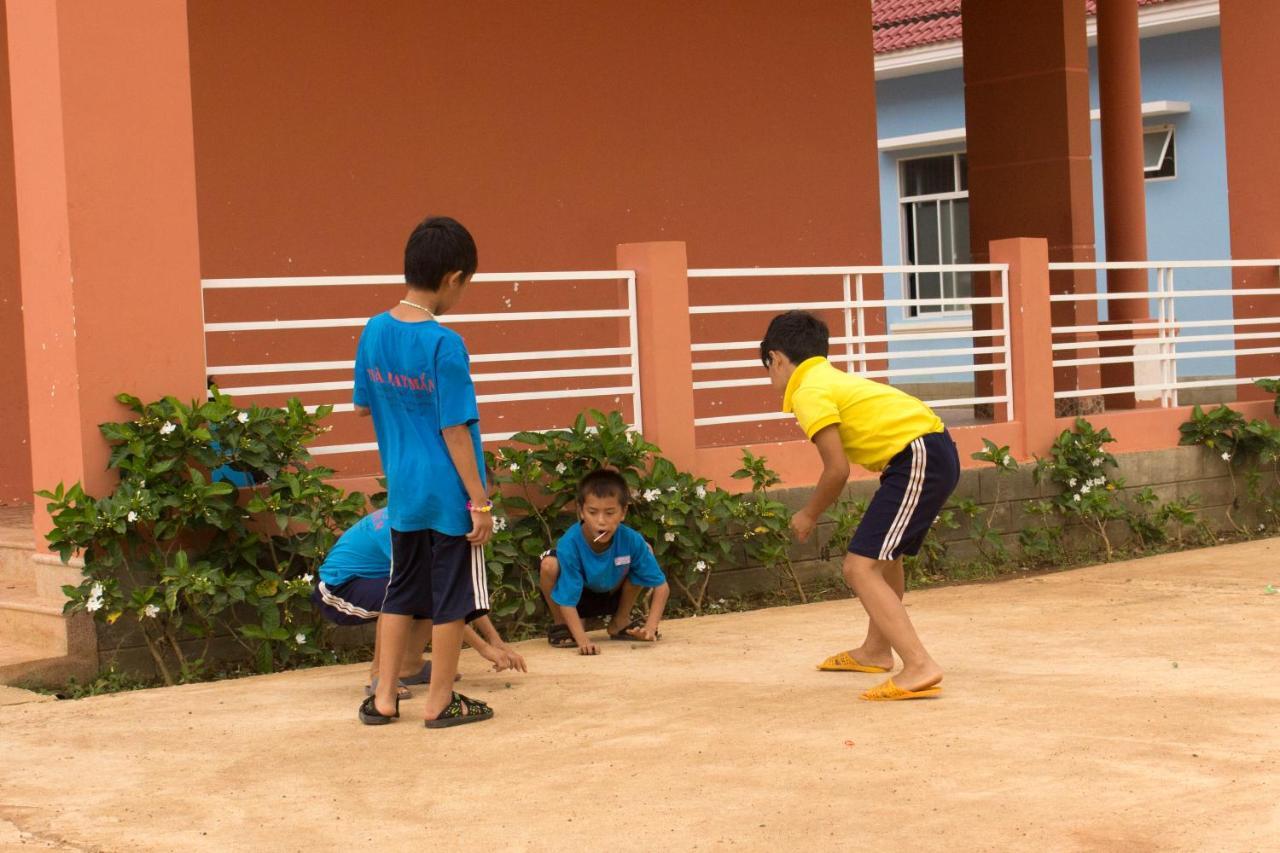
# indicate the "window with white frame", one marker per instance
pixel 1157 153
pixel 933 194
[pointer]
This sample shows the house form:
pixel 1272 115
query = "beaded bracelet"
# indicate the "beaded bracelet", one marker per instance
pixel 488 507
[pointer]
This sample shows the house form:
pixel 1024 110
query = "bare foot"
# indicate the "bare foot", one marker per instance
pixel 920 677
pixel 872 657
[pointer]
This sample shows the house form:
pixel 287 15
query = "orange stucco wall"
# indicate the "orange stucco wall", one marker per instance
pixel 15 453
pixel 1250 78
pixel 555 131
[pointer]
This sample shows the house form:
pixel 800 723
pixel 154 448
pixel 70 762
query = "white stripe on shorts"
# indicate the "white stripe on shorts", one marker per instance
pixel 919 458
pixel 346 607
pixel 479 578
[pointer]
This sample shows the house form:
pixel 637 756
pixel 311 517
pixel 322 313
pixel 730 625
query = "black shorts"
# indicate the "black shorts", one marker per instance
pixel 355 602
pixel 914 486
pixel 436 576
pixel 593 603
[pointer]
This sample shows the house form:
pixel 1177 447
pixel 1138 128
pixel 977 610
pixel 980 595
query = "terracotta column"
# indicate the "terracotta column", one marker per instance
pixel 1124 194
pixel 1026 77
pixel 15 450
pixel 1250 81
pixel 666 357
pixel 106 210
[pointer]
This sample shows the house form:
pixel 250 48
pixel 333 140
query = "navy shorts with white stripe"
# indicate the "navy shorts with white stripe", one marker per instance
pixel 914 486
pixel 436 576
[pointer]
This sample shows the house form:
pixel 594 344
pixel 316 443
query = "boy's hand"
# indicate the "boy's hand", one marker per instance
pixel 481 527
pixel 648 633
pixel 508 658
pixel 588 648
pixel 802 525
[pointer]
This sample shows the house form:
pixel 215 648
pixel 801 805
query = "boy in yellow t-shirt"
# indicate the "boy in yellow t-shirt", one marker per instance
pixel 852 419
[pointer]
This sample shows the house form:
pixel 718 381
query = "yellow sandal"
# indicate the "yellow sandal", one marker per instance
pixel 845 662
pixel 890 692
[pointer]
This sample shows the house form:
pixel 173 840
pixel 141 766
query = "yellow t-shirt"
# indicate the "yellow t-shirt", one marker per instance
pixel 876 421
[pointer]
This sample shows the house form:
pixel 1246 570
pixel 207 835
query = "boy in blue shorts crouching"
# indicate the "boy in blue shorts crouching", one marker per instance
pixel 413 376
pixel 598 568
pixel 353 585
pixel 852 419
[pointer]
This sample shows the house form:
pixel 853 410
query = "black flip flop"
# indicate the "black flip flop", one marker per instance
pixel 560 637
pixel 635 624
pixel 371 716
pixel 423 676
pixel 455 715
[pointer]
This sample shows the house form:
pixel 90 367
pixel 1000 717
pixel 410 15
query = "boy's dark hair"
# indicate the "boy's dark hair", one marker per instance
pixel 796 334
pixel 437 247
pixel 604 484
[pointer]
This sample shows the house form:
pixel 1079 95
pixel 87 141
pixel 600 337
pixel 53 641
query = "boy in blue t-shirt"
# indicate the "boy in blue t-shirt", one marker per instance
pixel 598 568
pixel 353 584
pixel 413 376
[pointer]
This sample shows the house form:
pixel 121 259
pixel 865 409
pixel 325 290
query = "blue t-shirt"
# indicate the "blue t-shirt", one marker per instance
pixel 416 380
pixel 580 566
pixel 364 551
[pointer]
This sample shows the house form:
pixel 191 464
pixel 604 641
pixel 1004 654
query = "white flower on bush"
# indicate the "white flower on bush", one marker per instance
pixel 308 578
pixel 499 523
pixel 514 466
pixel 652 494
pixel 300 638
pixel 169 426
pixel 1226 457
pixel 1075 498
pixel 243 417
pixel 151 611
pixel 670 537
pixel 131 517
pixel 1008 461
pixel 673 489
pixel 1097 462
pixel 95 597
pixel 561 468
pixel 1071 484
pixel 700 566
pixel 701 492
pixel 1084 490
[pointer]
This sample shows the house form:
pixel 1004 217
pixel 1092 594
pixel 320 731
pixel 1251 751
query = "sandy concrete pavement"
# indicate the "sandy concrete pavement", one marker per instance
pixel 1133 706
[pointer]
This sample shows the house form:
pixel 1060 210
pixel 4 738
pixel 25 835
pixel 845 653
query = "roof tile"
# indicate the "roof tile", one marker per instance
pixel 903 24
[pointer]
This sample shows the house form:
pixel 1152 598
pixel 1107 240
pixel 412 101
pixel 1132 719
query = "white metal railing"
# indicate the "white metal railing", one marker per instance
pixel 1161 351
pixel 629 386
pixel 854 340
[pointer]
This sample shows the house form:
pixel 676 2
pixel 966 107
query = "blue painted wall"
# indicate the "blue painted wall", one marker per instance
pixel 1187 216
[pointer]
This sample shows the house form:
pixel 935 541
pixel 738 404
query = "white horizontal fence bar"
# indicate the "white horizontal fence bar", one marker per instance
pixel 359 322
pixel 630 352
pixel 1168 328
pixel 727 346
pixel 821 306
pixel 376 280
pixel 1226 291
pixel 998 338
pixel 782 272
pixel 1152 265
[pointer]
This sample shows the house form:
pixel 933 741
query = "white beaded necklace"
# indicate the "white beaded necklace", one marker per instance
pixel 428 311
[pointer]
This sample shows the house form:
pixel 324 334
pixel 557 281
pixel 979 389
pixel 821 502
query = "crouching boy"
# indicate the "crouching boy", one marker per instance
pixel 598 568
pixel 353 584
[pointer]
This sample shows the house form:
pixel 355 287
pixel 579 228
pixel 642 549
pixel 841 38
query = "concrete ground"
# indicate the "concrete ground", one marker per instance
pixel 1133 706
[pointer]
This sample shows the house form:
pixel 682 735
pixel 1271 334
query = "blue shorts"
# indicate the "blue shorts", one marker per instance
pixel 436 576
pixel 914 486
